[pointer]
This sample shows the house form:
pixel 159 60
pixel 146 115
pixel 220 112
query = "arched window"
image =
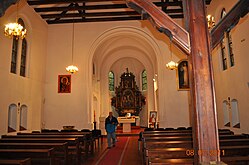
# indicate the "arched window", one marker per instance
pixel 14 55
pixel 23 58
pixel 111 81
pixel 23 117
pixel 93 69
pixel 235 114
pixel 12 118
pixel 223 47
pixel 226 118
pixel 144 80
pixel 23 52
pixel 230 48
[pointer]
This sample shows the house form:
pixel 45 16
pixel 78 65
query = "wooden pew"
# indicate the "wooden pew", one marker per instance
pixel 159 161
pixel 157 147
pixel 61 149
pixel 73 143
pixel 228 154
pixel 87 141
pixel 84 143
pixel 26 161
pixel 38 156
pixel 185 131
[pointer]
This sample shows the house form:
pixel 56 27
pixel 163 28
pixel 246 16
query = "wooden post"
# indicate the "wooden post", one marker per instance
pixel 205 131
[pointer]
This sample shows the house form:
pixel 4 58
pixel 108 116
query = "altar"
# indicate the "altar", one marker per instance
pixel 126 121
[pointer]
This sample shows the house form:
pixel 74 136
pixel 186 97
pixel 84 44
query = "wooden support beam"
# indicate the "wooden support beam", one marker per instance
pixel 228 22
pixel 173 13
pixel 93 14
pixel 45 2
pixel 162 22
pixel 89 7
pixel 94 19
pixel 204 115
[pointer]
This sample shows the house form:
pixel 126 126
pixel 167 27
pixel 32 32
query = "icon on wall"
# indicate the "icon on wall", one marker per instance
pixel 182 75
pixel 64 84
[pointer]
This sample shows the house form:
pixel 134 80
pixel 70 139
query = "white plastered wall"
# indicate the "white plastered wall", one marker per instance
pixel 95 42
pixel 232 82
pixel 27 90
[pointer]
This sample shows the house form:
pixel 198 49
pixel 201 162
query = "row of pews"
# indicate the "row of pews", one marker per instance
pixel 48 147
pixel 175 146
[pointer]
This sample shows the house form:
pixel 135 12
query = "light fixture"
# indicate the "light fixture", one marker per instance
pixel 171 65
pixel 210 21
pixel 72 68
pixel 15 29
pixel 228 103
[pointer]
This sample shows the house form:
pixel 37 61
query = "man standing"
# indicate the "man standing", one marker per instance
pixel 110 125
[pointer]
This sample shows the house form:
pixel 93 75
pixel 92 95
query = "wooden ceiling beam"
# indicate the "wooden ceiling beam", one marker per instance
pixel 103 19
pixel 174 12
pixel 47 2
pixel 94 20
pixel 92 7
pixel 239 10
pixel 99 14
pixel 64 12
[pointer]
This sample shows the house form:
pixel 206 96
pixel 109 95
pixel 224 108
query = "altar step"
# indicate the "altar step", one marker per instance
pixel 132 127
pixel 135 130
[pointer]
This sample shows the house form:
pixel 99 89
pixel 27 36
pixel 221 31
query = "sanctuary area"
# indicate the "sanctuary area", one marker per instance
pixel 173 72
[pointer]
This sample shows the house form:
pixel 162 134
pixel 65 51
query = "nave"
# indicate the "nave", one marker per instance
pixel 164 146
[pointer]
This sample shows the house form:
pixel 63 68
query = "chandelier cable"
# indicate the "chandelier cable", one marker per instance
pixel 73 42
pixel 171 65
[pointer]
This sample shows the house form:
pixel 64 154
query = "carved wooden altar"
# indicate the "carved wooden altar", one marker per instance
pixel 128 98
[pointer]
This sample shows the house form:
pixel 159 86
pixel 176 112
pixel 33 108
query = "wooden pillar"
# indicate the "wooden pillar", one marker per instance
pixel 204 116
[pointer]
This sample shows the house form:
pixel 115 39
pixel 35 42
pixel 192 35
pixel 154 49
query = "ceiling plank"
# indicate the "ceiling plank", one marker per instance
pixel 92 7
pixel 94 20
pixel 65 11
pixel 45 16
pixel 95 14
pixel 47 2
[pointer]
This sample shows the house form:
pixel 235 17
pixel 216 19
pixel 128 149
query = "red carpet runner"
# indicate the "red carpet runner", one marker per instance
pixel 114 155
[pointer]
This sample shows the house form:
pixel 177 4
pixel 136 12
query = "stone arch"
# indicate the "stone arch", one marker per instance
pixel 105 51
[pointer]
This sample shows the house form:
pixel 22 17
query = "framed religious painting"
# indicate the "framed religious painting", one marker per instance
pixel 182 75
pixel 152 119
pixel 153 116
pixel 64 84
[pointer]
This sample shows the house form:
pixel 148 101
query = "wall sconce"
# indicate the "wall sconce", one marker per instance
pixel 229 103
pixel 210 21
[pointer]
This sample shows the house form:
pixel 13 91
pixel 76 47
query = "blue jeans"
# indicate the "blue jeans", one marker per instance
pixel 111 136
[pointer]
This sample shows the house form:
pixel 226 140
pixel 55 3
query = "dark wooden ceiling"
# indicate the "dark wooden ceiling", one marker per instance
pixel 69 11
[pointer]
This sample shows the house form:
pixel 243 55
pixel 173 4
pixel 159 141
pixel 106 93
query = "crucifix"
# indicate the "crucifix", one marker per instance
pixel 197 42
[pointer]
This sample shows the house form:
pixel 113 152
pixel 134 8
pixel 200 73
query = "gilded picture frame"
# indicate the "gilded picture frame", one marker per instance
pixel 153 116
pixel 64 83
pixel 182 75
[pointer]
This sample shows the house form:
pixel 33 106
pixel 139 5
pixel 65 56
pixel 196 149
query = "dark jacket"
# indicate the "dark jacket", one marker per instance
pixel 110 125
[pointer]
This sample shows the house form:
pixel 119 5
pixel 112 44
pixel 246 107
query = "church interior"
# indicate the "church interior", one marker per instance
pixel 123 66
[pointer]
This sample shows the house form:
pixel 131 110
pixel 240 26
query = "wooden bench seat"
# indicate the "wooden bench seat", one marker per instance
pixel 73 144
pixel 85 138
pixel 236 160
pixel 26 161
pixel 61 149
pixel 38 156
pixel 160 161
pixel 168 144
